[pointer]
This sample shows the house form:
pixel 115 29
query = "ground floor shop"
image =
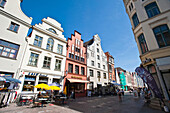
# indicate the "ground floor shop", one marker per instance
pixel 30 79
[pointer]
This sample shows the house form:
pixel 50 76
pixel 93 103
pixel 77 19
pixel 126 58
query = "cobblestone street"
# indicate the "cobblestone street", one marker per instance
pixel 107 104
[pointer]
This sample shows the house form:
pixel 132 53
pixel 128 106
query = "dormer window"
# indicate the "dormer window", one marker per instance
pixel 2 3
pixel 52 30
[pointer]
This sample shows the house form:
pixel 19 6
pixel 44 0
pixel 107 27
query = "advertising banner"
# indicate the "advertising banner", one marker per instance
pixel 149 80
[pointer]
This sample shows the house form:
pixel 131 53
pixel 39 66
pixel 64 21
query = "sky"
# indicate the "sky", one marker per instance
pixel 107 18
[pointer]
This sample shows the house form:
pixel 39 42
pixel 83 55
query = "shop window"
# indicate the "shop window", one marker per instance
pixel 29 83
pixel 50 44
pixel 2 3
pixel 8 49
pixel 58 65
pixel 152 9
pixel 98 65
pixel 78 87
pixel 42 80
pixel 47 62
pixel 142 43
pixel 14 27
pixel 70 68
pixel 38 41
pixel 82 70
pixel 60 49
pixel 33 59
pixel 76 69
pixel 91 73
pixel 104 75
pixel 135 20
pixel 162 35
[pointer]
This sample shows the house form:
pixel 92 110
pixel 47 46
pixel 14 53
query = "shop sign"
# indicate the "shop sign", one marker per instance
pixel 6 75
pixel 76 77
pixel 36 74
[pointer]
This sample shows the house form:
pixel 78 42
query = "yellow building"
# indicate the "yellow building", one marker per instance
pixel 150 21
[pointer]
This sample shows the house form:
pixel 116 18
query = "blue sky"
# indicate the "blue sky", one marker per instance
pixel 107 18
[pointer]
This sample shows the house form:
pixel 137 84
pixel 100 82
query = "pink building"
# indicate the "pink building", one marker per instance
pixel 76 66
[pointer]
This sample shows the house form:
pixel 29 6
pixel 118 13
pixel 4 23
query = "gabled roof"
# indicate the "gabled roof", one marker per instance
pixel 89 42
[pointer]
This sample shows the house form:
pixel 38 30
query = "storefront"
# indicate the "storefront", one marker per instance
pixel 31 79
pixel 78 86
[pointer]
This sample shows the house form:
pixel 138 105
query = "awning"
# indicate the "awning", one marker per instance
pixel 77 80
pixel 12 79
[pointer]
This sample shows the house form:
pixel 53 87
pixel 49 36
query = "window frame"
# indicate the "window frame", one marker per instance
pixel 48 61
pixel 38 40
pixel 142 40
pixel 51 45
pixel 58 62
pixel 92 62
pixel 91 74
pixel 70 68
pixel 76 69
pixel 59 49
pixel 12 27
pixel 36 58
pixel 82 71
pixel 150 10
pixel 8 46
pixel 2 5
pixel 135 20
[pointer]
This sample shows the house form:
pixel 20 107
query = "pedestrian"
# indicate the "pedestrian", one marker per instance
pixel 119 94
pixel 138 92
pixel 122 92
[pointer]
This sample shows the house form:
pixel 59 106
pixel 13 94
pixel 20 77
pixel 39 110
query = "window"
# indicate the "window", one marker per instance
pixel 33 59
pixel 82 59
pixel 38 41
pixel 110 76
pixel 98 74
pixel 60 49
pixel 91 72
pixel 98 65
pixel 104 75
pixel 52 30
pixel 77 57
pixel 70 68
pixel 129 8
pixel 92 63
pixel 103 66
pixel 50 43
pixel 162 35
pixel 8 49
pixel 77 50
pixel 58 65
pixel 110 68
pixel 152 9
pixel 2 3
pixel 135 20
pixel 71 56
pixel 98 57
pixel 47 62
pixel 82 70
pixel 142 43
pixel 92 54
pixel 131 5
pixel 98 50
pixel 77 69
pixel 14 27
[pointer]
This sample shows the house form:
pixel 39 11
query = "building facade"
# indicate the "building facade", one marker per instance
pixel 45 56
pixel 110 63
pixel 76 66
pixel 13 31
pixel 150 25
pixel 97 68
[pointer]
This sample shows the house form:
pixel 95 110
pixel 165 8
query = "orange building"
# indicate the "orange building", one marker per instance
pixel 110 62
pixel 76 75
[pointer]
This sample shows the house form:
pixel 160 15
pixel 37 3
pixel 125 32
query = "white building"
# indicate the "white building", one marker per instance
pixel 14 26
pixel 45 56
pixel 97 69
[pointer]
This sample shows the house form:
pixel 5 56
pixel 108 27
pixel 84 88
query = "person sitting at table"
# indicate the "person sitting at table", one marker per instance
pixel 41 96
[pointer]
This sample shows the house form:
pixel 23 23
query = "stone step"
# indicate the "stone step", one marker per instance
pixel 155 107
pixel 155 104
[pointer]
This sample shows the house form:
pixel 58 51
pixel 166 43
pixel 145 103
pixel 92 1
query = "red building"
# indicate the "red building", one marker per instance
pixel 76 66
pixel 110 62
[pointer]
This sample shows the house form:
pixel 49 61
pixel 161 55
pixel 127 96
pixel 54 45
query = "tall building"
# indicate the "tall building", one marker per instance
pixel 13 32
pixel 110 63
pixel 45 56
pixel 97 69
pixel 76 66
pixel 150 25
